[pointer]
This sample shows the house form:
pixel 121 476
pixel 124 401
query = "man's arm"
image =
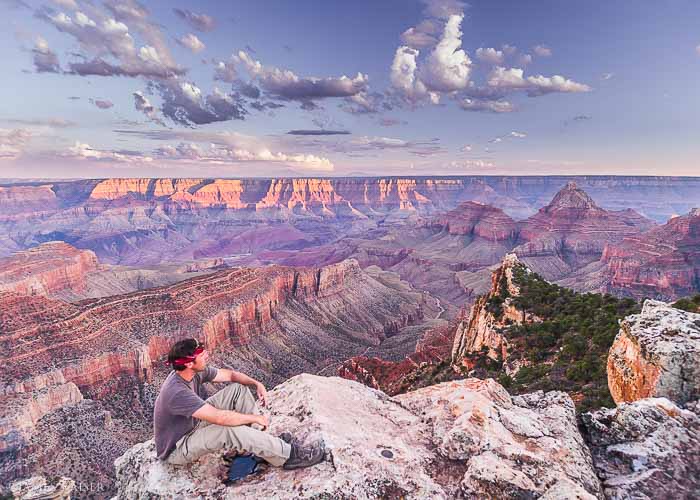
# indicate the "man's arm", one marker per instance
pixel 229 418
pixel 225 375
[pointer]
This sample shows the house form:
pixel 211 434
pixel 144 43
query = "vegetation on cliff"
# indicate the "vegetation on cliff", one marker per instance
pixel 568 349
pixel 690 304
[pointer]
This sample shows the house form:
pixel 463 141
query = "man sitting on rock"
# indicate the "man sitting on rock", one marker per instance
pixel 187 426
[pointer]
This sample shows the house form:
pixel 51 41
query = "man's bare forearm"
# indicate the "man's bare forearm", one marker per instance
pixel 232 418
pixel 242 378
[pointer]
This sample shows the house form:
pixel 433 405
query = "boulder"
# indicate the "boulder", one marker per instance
pixel 648 449
pixel 656 354
pixel 455 439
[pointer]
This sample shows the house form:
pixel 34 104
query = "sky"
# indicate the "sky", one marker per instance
pixel 333 88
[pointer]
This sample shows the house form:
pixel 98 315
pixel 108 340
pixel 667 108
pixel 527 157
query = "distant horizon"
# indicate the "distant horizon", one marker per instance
pixel 436 176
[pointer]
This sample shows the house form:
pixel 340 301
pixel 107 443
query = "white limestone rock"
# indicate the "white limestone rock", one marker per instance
pixel 417 445
pixel 647 449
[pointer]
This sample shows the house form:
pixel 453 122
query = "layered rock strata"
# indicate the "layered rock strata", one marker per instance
pixel 572 231
pixel 662 263
pixel 467 438
pixel 656 354
pixel 481 329
pixel 278 321
pixel 48 269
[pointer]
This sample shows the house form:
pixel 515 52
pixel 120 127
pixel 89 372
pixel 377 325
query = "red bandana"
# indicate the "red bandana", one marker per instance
pixel 188 359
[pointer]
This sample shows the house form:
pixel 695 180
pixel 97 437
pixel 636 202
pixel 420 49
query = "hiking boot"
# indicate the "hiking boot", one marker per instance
pixel 305 456
pixel 286 437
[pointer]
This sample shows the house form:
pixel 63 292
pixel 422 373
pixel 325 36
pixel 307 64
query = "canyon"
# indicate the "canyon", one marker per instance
pixel 88 356
pixel 422 288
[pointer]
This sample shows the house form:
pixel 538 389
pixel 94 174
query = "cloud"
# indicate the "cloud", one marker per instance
pixel 486 105
pixel 403 74
pixel 50 122
pixel 45 60
pixel 12 142
pixel 183 103
pixel 577 119
pixel 470 164
pixel 286 85
pixel 225 71
pixel 103 36
pixel 509 50
pixel 390 122
pixel 466 148
pixel 200 22
pixel 83 151
pixel 318 132
pixel 524 59
pixel 607 76
pixel 443 9
pixel 226 147
pixel 512 79
pixel 490 55
pixel 102 103
pixel 518 135
pixel 66 4
pixel 141 103
pixel 221 154
pixel 542 50
pixel 447 67
pixel 191 42
pixel 422 35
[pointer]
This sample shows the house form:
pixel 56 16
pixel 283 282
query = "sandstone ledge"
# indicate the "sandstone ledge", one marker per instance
pixel 456 439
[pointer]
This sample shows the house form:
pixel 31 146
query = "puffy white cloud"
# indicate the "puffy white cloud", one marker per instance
pixel 225 71
pixel 403 73
pixel 102 36
pixel 490 55
pixel 486 105
pixel 447 67
pixel 45 60
pixel 285 84
pixel 467 148
pixel 542 85
pixel 191 42
pixel 83 151
pixel 518 135
pixel 513 79
pixel 542 50
pixel 201 22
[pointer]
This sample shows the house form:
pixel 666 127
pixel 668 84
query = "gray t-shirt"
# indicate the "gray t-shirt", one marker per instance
pixel 176 402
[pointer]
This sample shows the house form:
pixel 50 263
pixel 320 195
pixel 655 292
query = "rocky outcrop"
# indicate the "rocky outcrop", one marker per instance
pixel 39 488
pixel 489 315
pixel 572 231
pixel 459 439
pixel 656 354
pixel 48 269
pixel 647 449
pixel 662 263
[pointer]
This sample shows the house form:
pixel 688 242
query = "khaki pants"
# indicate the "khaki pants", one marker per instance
pixel 206 437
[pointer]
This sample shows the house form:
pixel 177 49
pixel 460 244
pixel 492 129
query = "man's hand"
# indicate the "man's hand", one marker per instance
pixel 262 394
pixel 263 421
